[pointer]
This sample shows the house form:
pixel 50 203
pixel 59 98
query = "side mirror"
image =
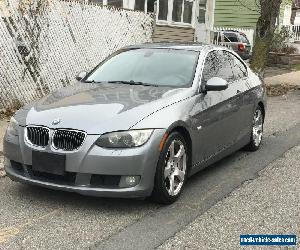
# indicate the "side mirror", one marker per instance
pixel 81 75
pixel 216 84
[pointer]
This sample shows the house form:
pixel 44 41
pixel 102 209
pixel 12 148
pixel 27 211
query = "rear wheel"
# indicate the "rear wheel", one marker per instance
pixel 171 170
pixel 257 130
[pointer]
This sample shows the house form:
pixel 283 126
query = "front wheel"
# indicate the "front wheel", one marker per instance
pixel 171 170
pixel 257 130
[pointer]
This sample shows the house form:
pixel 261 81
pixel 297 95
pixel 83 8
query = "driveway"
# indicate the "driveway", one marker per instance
pixel 37 218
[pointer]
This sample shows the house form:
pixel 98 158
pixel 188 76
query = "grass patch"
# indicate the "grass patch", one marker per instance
pixel 295 67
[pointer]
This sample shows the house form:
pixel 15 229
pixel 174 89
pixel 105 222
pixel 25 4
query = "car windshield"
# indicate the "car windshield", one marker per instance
pixel 158 67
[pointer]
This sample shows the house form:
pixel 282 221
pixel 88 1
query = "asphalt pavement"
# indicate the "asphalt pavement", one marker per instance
pixel 269 204
pixel 37 218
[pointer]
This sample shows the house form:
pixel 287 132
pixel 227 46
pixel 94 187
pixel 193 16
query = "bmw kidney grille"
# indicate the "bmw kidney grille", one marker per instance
pixel 38 136
pixel 62 139
pixel 67 140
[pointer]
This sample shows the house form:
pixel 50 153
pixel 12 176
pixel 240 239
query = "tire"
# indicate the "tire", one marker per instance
pixel 171 171
pixel 257 130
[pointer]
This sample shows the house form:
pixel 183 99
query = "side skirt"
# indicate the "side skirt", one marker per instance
pixel 235 147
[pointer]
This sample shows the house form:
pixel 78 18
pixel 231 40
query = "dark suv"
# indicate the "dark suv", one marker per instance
pixel 235 40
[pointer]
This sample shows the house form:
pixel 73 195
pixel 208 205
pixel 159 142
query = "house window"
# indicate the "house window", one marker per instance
pixel 150 5
pixel 139 5
pixel 187 13
pixel 202 11
pixel 176 11
pixel 116 3
pixel 144 5
pixel 96 1
pixel 163 10
pixel 182 11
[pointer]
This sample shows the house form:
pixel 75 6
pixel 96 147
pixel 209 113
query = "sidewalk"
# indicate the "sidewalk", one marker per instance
pixel 269 204
pixel 292 78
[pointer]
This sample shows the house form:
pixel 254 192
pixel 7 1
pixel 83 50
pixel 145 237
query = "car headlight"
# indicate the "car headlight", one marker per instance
pixel 124 139
pixel 13 127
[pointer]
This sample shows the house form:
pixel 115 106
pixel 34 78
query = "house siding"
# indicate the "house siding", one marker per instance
pixel 236 13
pixel 173 34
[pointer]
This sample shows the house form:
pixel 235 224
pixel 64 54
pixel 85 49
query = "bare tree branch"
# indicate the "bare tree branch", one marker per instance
pixel 245 6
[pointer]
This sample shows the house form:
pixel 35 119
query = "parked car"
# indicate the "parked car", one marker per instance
pixel 235 40
pixel 139 124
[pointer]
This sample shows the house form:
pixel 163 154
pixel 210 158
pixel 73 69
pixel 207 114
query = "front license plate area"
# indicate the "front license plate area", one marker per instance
pixel 48 162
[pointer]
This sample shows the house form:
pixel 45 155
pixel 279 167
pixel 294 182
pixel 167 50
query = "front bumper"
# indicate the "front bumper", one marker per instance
pixel 88 164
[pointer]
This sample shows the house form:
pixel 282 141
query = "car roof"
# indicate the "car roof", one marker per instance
pixel 228 31
pixel 173 45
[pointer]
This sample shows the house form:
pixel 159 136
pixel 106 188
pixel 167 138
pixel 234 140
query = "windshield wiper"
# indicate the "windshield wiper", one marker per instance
pixel 133 83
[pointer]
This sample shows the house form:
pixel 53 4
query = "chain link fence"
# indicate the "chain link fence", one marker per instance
pixel 45 43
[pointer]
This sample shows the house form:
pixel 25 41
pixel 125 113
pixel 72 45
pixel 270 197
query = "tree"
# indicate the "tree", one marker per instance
pixel 265 28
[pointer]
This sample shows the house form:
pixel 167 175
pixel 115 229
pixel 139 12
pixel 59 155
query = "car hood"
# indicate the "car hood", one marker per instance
pixel 100 108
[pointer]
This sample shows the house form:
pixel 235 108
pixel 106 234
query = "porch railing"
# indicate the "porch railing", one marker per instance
pixel 294 31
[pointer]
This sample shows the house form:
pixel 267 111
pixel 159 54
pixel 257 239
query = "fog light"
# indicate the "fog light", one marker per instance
pixel 129 181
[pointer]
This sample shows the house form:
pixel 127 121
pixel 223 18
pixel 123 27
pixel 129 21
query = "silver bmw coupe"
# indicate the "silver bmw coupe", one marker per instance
pixel 139 124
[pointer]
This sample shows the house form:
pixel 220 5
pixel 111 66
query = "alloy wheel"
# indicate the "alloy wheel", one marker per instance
pixel 175 167
pixel 257 130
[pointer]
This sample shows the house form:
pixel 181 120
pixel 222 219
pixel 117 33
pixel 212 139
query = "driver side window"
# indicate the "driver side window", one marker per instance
pixel 217 64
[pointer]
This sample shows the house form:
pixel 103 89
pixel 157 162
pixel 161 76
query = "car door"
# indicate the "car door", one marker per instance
pixel 238 87
pixel 241 87
pixel 216 111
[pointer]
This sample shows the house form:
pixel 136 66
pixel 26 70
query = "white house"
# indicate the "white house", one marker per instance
pixel 176 20
pixel 291 13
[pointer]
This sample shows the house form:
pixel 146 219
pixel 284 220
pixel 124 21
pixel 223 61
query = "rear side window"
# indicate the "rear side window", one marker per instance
pixel 232 37
pixel 238 68
pixel 244 39
pixel 218 64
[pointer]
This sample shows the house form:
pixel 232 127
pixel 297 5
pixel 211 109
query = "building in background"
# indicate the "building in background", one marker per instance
pixel 294 13
pixel 184 20
pixel 240 15
pixel 236 13
pixel 141 5
pixel 196 20
pixel 290 19
pixel 176 20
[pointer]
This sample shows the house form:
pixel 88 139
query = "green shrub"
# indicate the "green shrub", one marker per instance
pixel 280 42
